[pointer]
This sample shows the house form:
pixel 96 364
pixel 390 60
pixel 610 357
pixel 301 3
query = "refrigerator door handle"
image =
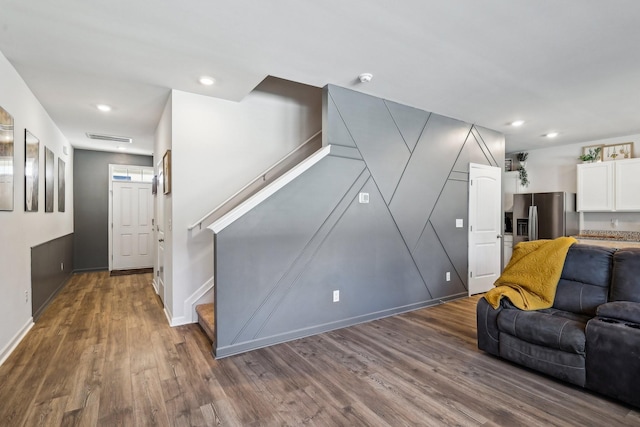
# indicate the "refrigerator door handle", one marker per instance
pixel 535 222
pixel 532 232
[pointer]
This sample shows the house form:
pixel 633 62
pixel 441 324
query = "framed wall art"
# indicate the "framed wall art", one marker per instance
pixel 589 150
pixel 618 151
pixel 31 171
pixel 61 185
pixel 6 160
pixel 49 159
pixel 166 172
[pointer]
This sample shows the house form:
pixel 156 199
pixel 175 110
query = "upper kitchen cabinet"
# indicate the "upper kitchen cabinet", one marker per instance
pixel 627 185
pixel 609 186
pixel 511 185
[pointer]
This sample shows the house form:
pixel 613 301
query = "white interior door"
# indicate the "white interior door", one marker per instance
pixel 160 229
pixel 132 225
pixel 485 227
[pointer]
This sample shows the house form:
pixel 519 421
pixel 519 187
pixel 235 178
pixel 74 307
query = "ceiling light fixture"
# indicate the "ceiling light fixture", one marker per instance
pixel 365 77
pixel 103 107
pixel 206 80
pixel 122 148
pixel 517 123
pixel 551 134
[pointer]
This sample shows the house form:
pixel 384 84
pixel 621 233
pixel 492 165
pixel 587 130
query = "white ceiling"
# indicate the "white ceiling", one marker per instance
pixel 569 66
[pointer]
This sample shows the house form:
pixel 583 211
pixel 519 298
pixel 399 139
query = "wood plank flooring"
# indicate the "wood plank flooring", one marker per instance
pixel 102 354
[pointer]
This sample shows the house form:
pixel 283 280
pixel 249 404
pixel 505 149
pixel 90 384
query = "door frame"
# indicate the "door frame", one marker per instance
pixel 110 220
pixel 499 221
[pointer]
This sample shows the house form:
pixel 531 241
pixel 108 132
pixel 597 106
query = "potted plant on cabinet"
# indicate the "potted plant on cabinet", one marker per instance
pixel 522 172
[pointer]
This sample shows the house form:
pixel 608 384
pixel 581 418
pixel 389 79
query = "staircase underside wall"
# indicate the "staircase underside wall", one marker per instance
pixel 276 267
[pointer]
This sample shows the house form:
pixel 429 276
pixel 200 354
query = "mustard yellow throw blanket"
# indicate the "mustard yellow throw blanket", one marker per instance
pixel 530 279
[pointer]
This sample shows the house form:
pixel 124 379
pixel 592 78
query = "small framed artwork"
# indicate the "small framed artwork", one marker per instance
pixel 49 159
pixel 617 151
pixel 154 185
pixel 508 165
pixel 6 161
pixel 31 171
pixel 166 172
pixel 589 150
pixel 62 186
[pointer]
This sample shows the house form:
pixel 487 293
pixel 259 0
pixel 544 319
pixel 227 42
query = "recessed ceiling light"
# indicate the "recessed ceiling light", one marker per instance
pixel 103 107
pixel 206 80
pixel 517 123
pixel 122 148
pixel 551 134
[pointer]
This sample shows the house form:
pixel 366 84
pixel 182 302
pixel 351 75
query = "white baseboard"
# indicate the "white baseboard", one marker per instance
pixel 8 349
pixel 155 285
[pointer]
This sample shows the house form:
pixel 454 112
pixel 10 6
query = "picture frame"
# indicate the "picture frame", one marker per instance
pixel 31 171
pixel 154 185
pixel 7 150
pixel 614 152
pixel 508 165
pixel 585 150
pixel 166 172
pixel 49 179
pixel 62 185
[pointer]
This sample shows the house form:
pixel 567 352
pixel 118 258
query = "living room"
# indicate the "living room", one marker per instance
pixel 475 73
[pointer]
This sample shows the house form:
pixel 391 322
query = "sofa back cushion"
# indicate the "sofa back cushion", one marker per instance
pixel 584 282
pixel 625 281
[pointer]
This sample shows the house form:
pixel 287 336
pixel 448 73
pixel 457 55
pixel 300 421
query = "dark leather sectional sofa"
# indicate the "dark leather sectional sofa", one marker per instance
pixel 591 335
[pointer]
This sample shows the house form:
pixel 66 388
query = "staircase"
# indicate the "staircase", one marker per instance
pixel 206 320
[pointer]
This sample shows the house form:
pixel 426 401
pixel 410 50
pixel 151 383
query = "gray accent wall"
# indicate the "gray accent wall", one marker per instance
pixel 91 204
pixel 51 266
pixel 277 266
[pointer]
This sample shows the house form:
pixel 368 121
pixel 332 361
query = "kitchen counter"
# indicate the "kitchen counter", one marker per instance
pixel 611 239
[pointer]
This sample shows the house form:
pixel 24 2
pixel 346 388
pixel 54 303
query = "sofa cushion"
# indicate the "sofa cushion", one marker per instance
pixel 585 278
pixel 545 328
pixel 624 311
pixel 625 280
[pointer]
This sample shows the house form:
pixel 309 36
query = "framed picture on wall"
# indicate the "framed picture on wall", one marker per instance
pixel 6 161
pixel 49 159
pixel 508 165
pixel 31 171
pixel 617 151
pixel 591 149
pixel 62 186
pixel 166 172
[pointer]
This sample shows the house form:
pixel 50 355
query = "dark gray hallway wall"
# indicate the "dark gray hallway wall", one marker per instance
pixel 278 265
pixel 91 209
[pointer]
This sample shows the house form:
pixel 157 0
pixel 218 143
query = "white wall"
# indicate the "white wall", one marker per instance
pixel 19 231
pixel 218 147
pixel 554 169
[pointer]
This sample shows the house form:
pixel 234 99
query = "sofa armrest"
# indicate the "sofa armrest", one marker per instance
pixel 624 311
pixel 487 327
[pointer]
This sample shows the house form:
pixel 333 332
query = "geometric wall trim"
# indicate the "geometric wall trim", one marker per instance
pixel 276 267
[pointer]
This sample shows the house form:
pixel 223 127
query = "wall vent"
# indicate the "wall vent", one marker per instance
pixel 111 138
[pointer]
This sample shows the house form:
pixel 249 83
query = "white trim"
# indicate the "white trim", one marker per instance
pixel 195 299
pixel 269 190
pixel 154 283
pixel 17 338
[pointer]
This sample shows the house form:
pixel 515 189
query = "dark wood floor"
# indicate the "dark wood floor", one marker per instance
pixel 102 354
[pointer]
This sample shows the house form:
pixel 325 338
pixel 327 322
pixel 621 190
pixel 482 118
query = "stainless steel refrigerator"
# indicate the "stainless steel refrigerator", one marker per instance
pixel 544 216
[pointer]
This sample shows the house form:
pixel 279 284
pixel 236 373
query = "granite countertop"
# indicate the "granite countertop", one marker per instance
pixel 612 236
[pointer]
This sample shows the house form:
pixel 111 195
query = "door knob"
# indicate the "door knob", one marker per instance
pixel 499 236
pixel 160 240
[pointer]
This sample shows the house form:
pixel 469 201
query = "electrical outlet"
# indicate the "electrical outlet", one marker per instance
pixel 26 296
pixel 336 296
pixel 459 223
pixel 448 276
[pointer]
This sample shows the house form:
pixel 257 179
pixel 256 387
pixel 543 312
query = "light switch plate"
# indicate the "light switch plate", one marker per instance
pixel 363 198
pixel 459 223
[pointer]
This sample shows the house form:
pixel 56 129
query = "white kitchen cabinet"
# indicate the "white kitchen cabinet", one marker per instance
pixel 595 187
pixel 609 186
pixel 508 249
pixel 510 186
pixel 627 185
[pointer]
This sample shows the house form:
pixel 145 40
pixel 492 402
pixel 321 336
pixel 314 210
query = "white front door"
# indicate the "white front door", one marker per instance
pixel 160 229
pixel 132 225
pixel 485 227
